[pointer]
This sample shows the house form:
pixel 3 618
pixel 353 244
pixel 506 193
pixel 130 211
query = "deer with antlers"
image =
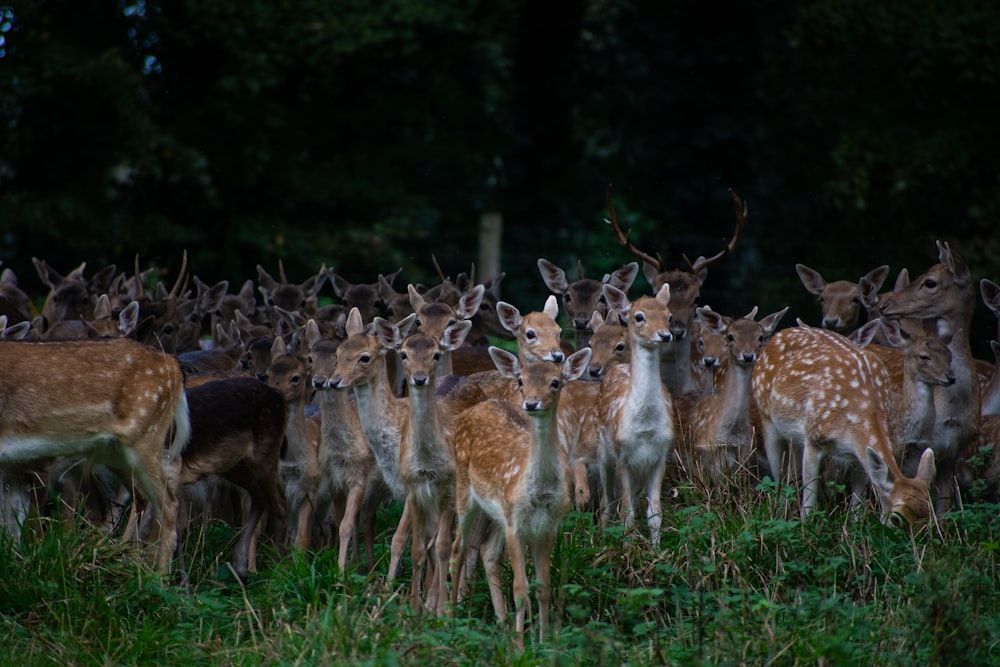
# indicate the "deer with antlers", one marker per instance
pixel 820 395
pixel 511 468
pixel 685 288
pixel 945 293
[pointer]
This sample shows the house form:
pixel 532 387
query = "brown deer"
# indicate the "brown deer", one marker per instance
pixel 119 410
pixel 363 296
pixel 608 345
pixel 945 293
pixel 237 428
pixel 685 288
pixel 714 434
pixel 356 485
pixel 361 365
pixel 991 389
pixel 634 412
pixel 820 395
pixel 300 469
pixel 583 297
pixel 426 459
pixel 511 468
pixel 840 300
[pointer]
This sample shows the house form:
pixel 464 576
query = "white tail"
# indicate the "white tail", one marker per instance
pixel 818 392
pixel 112 400
pixel 634 412
pixel 511 467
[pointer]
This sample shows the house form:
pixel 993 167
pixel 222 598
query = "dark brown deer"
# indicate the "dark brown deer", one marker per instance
pixel 237 429
pixel 685 288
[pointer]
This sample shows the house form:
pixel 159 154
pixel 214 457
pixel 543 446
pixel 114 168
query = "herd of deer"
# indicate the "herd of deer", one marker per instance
pixel 319 415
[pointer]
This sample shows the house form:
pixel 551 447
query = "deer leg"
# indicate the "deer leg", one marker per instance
pixel 653 503
pixel 541 552
pixel 399 539
pixel 491 550
pixel 515 550
pixel 349 522
pixel 442 545
pixel 812 457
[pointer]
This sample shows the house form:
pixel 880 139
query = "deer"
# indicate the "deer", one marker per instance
pixel 685 288
pixel 709 352
pixel 361 366
pixel 583 297
pixel 840 300
pixel 363 296
pixel 237 429
pixel 817 393
pixel 70 297
pixel 991 389
pixel 300 469
pixel 14 302
pixel 714 431
pixel 426 460
pixel 608 345
pixel 287 295
pixel 120 411
pixel 512 469
pixel 945 294
pixel 634 412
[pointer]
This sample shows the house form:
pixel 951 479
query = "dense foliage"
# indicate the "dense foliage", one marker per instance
pixel 371 136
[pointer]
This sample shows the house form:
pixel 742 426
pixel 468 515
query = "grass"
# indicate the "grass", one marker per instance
pixel 734 582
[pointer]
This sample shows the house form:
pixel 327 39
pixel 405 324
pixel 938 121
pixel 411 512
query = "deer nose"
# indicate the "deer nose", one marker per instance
pixel 556 357
pixel 748 357
pixel 420 379
pixel 710 362
pixel 595 370
pixel 581 324
pixel 666 336
pixel 319 381
pixel 831 322
pixel 532 404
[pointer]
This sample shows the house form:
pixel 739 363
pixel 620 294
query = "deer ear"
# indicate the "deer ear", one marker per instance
pixel 354 324
pixel 510 316
pixel 617 300
pixel 416 299
pixel 663 296
pixel 576 364
pixel 625 276
pixel 927 469
pixel 551 307
pixel 389 335
pixel 505 362
pixel 878 471
pixel 811 279
pixel 710 319
pixel 454 336
pixel 468 303
pixel 770 323
pixel 553 277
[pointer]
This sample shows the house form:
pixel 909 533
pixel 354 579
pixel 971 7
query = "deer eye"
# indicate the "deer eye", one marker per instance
pixel 402 355
pixel 365 358
pixel 451 321
pixel 295 379
pixel 620 347
pixel 437 356
pixel 602 299
pixel 554 384
pixel 930 283
pixel 760 339
pixel 640 318
pixel 530 334
pixel 567 298
pixel 730 338
pixel 309 360
pixel 520 382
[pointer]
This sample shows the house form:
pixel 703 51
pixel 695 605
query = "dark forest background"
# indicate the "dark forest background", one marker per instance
pixel 371 136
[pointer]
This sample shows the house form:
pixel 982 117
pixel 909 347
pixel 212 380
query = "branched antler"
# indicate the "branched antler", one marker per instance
pixel 701 263
pixel 624 238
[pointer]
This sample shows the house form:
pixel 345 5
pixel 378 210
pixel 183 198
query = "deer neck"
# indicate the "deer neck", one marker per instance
pixel 547 467
pixel 958 406
pixel 382 418
pixel 296 431
pixel 644 368
pixel 675 365
pixel 734 404
pixel 425 445
pixel 919 414
pixel 340 425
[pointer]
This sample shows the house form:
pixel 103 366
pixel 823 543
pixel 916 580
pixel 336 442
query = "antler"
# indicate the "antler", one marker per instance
pixel 741 214
pixel 181 276
pixel 623 238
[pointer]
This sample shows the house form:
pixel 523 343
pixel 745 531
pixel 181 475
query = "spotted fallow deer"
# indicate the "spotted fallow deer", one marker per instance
pixel 714 433
pixel 945 294
pixel 820 395
pixel 634 412
pixel 119 410
pixel 839 300
pixel 511 467
pixel 583 297
pixel 685 288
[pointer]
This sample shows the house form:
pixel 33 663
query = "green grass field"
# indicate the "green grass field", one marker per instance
pixel 740 581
